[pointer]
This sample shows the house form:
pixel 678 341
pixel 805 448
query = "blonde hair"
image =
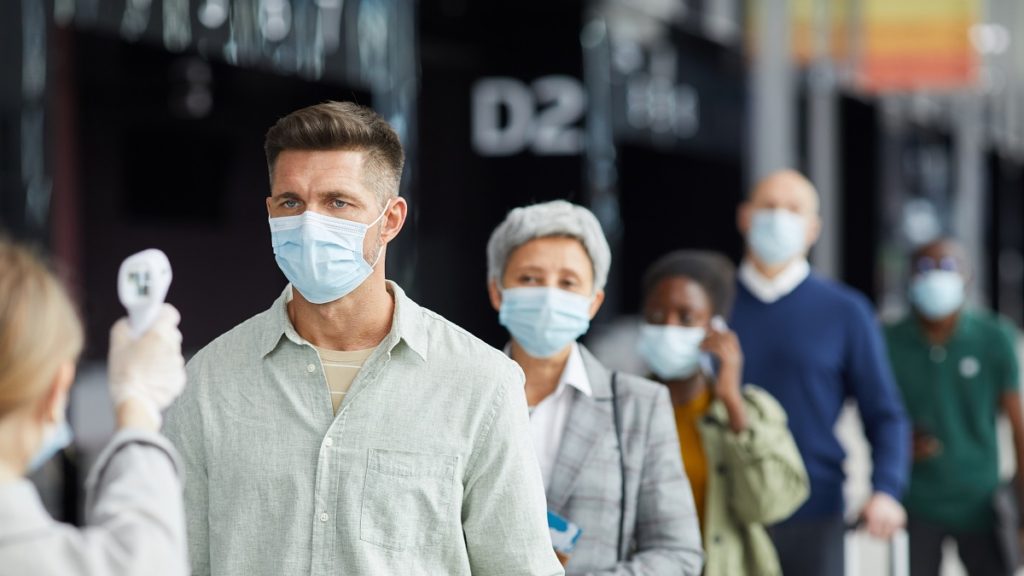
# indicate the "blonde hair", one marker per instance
pixel 39 328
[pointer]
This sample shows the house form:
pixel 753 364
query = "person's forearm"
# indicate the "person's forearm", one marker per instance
pixel 131 414
pixel 728 381
pixel 890 441
pixel 134 513
pixel 1018 444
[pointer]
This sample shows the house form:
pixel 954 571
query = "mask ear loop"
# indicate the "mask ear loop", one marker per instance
pixel 380 234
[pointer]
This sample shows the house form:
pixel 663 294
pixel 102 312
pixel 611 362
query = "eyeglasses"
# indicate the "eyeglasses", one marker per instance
pixel 928 264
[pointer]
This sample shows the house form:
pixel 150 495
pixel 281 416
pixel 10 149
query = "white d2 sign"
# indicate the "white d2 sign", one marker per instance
pixel 542 116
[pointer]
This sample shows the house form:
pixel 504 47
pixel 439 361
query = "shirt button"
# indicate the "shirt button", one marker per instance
pixel 323 517
pixel 311 368
pixel 329 442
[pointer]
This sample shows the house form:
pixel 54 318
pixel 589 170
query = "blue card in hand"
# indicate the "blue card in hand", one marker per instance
pixel 564 534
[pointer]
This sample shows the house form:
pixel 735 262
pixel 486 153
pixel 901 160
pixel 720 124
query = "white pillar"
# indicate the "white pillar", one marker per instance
pixel 772 137
pixel 969 201
pixel 822 136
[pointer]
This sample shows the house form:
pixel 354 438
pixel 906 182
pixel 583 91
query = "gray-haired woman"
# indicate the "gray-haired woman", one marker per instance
pixel 606 442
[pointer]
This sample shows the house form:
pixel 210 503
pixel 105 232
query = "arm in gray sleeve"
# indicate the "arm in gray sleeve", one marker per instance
pixel 667 534
pixel 135 521
pixel 504 510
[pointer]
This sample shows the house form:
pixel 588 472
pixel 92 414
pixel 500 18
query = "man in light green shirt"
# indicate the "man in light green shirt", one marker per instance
pixel 426 467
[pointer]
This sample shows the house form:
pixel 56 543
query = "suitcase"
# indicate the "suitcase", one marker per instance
pixel 859 545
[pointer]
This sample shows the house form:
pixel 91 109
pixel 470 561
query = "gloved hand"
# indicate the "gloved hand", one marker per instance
pixel 150 369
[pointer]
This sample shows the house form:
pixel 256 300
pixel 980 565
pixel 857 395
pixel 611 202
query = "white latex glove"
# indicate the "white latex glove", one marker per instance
pixel 150 369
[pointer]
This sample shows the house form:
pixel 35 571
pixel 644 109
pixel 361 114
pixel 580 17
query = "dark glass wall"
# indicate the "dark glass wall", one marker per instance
pixel 170 152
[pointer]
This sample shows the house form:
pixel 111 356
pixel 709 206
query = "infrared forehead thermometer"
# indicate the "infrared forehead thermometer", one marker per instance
pixel 142 284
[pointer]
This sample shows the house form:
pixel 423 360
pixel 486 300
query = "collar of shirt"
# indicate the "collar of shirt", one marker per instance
pixel 769 290
pixel 21 510
pixel 574 374
pixel 406 324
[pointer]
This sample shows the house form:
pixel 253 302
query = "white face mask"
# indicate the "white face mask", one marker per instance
pixel 938 293
pixel 57 437
pixel 544 320
pixel 322 256
pixel 671 352
pixel 777 236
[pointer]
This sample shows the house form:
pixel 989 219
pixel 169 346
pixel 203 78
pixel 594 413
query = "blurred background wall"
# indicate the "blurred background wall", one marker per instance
pixel 130 123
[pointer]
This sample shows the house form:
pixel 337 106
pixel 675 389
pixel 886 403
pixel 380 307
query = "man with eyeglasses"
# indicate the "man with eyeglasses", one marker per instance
pixel 957 370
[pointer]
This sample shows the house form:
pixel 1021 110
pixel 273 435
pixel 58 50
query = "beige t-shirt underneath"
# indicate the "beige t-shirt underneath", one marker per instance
pixel 340 369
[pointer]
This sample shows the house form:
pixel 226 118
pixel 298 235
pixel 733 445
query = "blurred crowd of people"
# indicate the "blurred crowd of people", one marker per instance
pixel 347 429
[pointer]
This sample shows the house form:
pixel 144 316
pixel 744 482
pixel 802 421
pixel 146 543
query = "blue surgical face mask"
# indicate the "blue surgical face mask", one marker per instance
pixel 671 352
pixel 56 440
pixel 320 255
pixel 544 320
pixel 937 294
pixel 777 235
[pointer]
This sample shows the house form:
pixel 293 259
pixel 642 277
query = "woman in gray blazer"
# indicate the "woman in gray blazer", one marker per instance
pixel 606 442
pixel 136 522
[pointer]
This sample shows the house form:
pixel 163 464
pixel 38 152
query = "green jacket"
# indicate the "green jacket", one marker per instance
pixel 755 478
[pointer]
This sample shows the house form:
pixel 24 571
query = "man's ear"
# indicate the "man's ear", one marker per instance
pixel 813 230
pixel 394 219
pixel 743 215
pixel 595 305
pixel 495 294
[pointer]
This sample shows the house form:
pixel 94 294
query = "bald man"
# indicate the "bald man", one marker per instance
pixel 957 370
pixel 813 343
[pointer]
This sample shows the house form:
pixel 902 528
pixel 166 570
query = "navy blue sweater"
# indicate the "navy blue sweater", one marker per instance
pixel 812 349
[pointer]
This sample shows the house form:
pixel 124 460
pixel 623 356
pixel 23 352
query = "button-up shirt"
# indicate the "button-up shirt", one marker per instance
pixel 427 468
pixel 769 290
pixel 547 420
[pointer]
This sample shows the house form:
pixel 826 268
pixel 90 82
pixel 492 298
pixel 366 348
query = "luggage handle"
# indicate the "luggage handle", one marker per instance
pixel 898 545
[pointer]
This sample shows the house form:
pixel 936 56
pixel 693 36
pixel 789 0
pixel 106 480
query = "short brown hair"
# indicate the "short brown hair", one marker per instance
pixel 39 327
pixel 342 126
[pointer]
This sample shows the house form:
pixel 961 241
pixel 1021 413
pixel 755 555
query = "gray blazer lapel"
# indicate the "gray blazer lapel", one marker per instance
pixel 590 419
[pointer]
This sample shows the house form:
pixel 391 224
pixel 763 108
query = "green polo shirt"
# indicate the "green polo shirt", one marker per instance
pixel 952 392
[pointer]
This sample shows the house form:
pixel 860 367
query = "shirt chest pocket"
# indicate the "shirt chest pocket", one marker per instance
pixel 406 499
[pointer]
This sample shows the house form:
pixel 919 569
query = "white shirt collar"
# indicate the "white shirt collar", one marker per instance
pixel 575 373
pixel 769 290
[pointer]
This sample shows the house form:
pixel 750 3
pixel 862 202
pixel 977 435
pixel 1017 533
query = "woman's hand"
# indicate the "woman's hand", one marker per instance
pixel 146 373
pixel 723 344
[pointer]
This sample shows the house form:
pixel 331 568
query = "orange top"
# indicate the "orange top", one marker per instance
pixel 694 459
